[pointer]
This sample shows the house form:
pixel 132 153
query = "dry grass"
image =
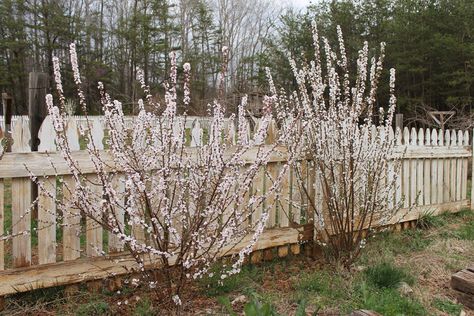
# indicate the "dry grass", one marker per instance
pixel 435 265
pixel 430 256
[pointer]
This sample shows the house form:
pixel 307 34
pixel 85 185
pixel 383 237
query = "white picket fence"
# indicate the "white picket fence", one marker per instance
pixel 195 124
pixel 433 178
pixel 434 169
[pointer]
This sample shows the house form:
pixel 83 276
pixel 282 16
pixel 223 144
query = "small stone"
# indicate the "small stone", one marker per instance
pixel 239 300
pixel 462 313
pixel 405 289
pixel 359 268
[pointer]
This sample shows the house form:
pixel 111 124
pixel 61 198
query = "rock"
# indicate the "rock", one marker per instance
pixel 359 268
pixel 405 289
pixel 241 299
pixel 462 313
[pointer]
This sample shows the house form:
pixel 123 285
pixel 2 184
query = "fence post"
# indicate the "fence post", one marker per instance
pixel 37 111
pixel 7 115
pixel 399 121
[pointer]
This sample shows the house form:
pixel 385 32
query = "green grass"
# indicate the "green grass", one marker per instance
pixel 322 288
pixel 144 308
pixel 256 307
pixel 374 289
pixel 386 275
pixel 464 214
pixel 187 136
pixel 388 244
pixel 466 231
pixel 214 286
pixel 387 301
pixel 415 240
pixel 447 306
pixel 98 307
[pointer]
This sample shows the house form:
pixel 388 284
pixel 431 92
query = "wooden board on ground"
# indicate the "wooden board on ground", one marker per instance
pixel 464 280
pixel 463 283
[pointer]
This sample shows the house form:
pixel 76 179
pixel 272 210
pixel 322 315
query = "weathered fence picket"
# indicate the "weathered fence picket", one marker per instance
pixel 71 222
pixel 441 170
pixel 47 221
pixel 419 171
pixel 21 199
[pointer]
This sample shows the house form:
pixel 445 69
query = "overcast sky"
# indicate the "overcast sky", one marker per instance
pixel 300 4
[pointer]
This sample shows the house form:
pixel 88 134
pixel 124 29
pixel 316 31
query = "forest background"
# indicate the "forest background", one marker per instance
pixel 429 42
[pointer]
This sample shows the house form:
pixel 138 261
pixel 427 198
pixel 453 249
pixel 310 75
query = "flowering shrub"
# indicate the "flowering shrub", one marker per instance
pixel 188 205
pixel 351 148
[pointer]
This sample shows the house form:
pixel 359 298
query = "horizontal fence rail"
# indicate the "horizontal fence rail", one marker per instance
pixel 68 249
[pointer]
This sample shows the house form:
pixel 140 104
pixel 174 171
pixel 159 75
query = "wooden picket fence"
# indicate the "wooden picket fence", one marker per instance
pixel 434 178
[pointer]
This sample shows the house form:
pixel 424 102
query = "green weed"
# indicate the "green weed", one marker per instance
pixel 465 214
pixel 386 275
pixel 320 282
pixel 388 301
pixel 93 308
pixel 322 288
pixel 144 308
pixel 257 308
pixel 213 285
pixel 415 240
pixel 428 220
pixel 447 306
